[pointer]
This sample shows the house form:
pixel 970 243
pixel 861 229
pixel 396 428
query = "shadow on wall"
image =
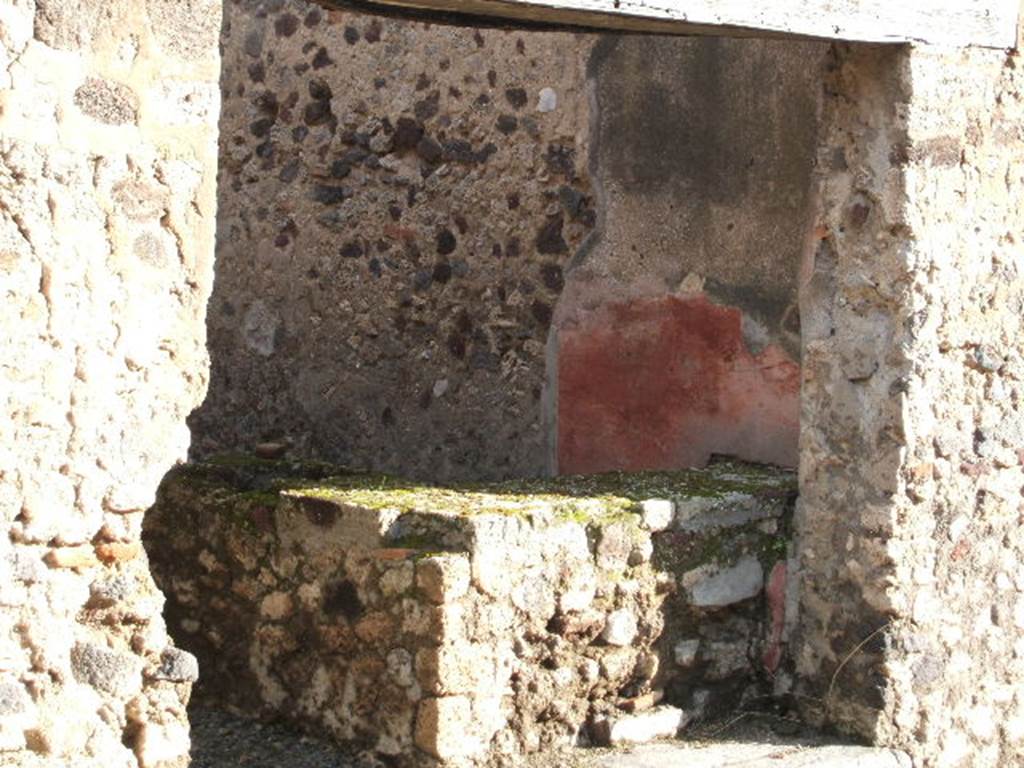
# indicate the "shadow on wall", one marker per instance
pixel 407 216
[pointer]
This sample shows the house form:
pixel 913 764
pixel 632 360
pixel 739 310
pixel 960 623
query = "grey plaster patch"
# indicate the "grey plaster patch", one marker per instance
pixel 178 666
pixel 13 699
pixel 260 328
pixel 186 28
pixel 66 24
pixel 111 591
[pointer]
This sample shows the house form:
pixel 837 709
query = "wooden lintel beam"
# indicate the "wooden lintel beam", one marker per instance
pixel 959 23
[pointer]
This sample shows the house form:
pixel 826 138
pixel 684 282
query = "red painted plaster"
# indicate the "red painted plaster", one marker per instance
pixel 775 592
pixel 664 383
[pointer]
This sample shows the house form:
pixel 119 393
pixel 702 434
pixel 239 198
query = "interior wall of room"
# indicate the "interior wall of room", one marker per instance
pixel 456 252
pixel 678 334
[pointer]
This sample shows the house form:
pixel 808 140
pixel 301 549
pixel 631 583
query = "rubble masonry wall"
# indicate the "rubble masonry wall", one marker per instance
pixel 912 615
pixel 108 117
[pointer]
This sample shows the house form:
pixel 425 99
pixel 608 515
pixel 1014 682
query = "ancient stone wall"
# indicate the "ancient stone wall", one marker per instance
pixel 440 246
pixel 910 513
pixel 470 624
pixel 398 202
pixel 107 171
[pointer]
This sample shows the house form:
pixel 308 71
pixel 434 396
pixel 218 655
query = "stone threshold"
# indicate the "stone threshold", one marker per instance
pixel 747 754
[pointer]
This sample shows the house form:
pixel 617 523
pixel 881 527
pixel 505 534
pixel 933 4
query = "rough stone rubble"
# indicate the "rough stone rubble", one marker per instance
pixel 107 178
pixel 909 530
pixel 475 624
pixel 909 521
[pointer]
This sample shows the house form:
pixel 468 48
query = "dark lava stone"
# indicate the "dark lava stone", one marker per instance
pixel 355 156
pixel 329 195
pixel 552 276
pixel 422 280
pixel 442 272
pixel 429 150
pixel 541 312
pixel 261 128
pixel 428 107
pixel 257 72
pixel 549 238
pixel 561 159
pixel 445 241
pixel 353 249
pixel 340 169
pixel 457 345
pixel 267 104
pixel 289 172
pixel 407 134
pixel 286 25
pixel 317 113
pixel 351 35
pixel 572 200
pixel 319 89
pixel 321 59
pixel 516 97
pixel 507 124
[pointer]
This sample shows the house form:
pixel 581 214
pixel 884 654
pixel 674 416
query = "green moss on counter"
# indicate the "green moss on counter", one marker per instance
pixel 601 498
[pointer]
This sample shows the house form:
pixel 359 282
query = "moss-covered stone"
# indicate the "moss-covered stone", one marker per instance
pixel 241 486
pixel 581 498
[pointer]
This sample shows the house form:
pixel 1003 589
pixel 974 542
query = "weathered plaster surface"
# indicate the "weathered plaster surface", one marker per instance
pixel 107 158
pixel 911 477
pixel 665 382
pixel 702 155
